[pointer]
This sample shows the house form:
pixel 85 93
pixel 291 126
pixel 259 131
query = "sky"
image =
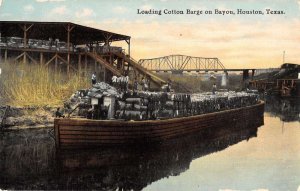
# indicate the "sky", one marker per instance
pixel 238 40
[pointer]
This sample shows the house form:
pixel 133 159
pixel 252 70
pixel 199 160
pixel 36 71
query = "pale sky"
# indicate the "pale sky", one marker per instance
pixel 250 41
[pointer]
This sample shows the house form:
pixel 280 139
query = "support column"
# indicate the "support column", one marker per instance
pixel 245 74
pixel 85 65
pixel 25 30
pixel 253 72
pixel 56 63
pixel 24 58
pixel 69 29
pixel 5 55
pixel 41 58
pixel 129 52
pixel 123 66
pixel 104 74
pixel 128 42
pixel 68 44
pixel 79 64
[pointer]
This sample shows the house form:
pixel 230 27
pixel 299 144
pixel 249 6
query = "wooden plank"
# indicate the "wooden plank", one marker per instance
pixel 83 141
pixel 154 123
pixel 132 133
pixel 145 128
pixel 136 135
pixel 99 137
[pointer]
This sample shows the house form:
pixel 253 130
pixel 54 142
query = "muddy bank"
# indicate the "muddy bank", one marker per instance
pixel 29 117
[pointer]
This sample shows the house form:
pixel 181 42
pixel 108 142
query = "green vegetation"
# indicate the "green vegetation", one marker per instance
pixel 36 85
pixel 39 86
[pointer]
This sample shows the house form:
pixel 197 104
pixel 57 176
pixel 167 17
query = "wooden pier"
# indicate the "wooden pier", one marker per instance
pixel 70 47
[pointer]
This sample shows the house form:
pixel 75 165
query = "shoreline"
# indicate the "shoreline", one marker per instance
pixel 28 117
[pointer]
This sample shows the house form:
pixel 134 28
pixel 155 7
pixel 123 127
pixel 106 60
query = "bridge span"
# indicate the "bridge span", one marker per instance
pixel 177 64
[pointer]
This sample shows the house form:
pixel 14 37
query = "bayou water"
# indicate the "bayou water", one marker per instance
pixel 231 158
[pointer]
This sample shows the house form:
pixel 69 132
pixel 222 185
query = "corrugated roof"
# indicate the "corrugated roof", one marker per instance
pixel 58 30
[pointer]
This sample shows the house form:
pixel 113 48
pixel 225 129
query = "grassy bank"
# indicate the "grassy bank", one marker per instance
pixel 36 85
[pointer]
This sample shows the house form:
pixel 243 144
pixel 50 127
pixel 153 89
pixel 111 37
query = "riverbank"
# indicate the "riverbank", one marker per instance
pixel 29 117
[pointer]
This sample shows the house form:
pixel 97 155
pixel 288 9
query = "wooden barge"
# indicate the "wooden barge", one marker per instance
pixel 82 133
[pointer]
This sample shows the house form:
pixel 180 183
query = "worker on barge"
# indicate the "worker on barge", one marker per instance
pixel 94 79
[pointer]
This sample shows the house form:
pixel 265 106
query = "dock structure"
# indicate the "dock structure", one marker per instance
pixel 285 82
pixel 70 47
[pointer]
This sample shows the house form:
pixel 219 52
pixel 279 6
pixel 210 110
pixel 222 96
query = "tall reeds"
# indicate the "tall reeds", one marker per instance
pixel 37 85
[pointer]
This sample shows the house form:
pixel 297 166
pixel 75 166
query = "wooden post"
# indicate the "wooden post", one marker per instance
pixel 69 29
pixel 85 65
pixel 25 29
pixel 110 59
pixel 123 67
pixel 25 35
pixel 79 64
pixel 104 74
pixel 24 57
pixel 129 49
pixel 5 55
pixel 128 42
pixel 41 58
pixel 56 63
pixel 68 44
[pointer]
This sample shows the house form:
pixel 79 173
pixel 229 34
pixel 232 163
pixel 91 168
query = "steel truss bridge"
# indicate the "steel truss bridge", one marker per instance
pixel 182 63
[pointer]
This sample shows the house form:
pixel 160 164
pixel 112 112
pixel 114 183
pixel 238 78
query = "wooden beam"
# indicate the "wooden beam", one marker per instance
pixel 41 58
pixel 25 30
pixel 50 60
pixel 24 58
pixel 85 65
pixel 79 64
pixel 29 27
pixel 19 56
pixel 128 42
pixel 5 55
pixel 32 59
pixel 68 44
pixel 62 59
pixel 69 29
pixel 56 63
pixel 107 37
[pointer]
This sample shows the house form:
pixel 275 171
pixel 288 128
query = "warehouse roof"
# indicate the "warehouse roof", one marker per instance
pixel 58 30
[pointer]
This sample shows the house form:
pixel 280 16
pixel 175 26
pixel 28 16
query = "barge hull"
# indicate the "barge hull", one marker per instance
pixel 80 133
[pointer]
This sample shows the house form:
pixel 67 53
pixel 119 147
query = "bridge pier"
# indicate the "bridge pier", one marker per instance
pixel 224 80
pixel 246 74
pixel 180 72
pixel 253 73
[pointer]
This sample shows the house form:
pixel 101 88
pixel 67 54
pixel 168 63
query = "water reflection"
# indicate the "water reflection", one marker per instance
pixel 28 164
pixel 136 168
pixel 287 109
